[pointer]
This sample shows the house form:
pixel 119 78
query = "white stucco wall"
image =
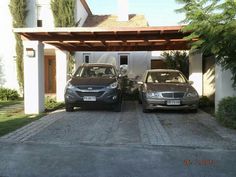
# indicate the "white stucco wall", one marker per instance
pixel 138 62
pixel 34 78
pixel 195 71
pixel 80 13
pixel 8 76
pixel 209 77
pixel 223 84
pixel 61 74
pixel 46 14
pixel 31 19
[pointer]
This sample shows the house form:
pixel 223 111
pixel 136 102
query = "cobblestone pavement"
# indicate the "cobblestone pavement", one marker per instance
pixel 130 126
pixel 102 143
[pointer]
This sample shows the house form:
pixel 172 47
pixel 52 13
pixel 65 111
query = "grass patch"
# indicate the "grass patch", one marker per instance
pixel 9 103
pixel 14 120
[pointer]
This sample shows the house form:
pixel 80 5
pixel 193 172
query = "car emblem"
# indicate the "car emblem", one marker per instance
pixel 90 88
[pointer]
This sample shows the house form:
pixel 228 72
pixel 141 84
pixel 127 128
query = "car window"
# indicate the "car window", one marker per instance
pixel 96 71
pixel 165 77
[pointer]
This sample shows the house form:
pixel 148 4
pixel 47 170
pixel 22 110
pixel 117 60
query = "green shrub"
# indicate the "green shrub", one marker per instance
pixel 129 89
pixel 204 101
pixel 51 104
pixel 226 113
pixel 8 94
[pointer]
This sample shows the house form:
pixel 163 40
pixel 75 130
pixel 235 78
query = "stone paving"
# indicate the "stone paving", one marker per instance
pixel 31 129
pixel 130 126
pixel 130 143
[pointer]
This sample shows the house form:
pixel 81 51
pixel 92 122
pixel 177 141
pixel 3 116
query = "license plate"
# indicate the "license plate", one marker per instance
pixel 173 102
pixel 89 98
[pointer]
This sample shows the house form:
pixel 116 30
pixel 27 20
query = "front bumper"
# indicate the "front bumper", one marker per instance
pixel 75 97
pixel 190 104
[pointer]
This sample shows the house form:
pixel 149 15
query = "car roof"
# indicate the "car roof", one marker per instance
pixel 97 64
pixel 163 70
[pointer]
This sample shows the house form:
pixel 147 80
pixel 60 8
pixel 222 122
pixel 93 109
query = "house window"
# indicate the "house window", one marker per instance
pixel 39 16
pixel 124 59
pixel 86 58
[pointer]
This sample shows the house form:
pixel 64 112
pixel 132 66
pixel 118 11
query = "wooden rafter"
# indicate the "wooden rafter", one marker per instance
pixel 110 39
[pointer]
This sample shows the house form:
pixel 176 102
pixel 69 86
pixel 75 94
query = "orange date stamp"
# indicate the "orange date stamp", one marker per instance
pixel 203 162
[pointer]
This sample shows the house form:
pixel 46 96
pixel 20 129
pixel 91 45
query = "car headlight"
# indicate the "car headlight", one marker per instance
pixel 113 85
pixel 70 86
pixel 192 94
pixel 153 95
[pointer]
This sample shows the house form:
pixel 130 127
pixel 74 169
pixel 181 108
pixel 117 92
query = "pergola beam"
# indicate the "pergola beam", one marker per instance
pixel 110 39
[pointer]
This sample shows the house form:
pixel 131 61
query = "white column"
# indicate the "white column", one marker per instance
pixel 223 84
pixel 61 73
pixel 33 77
pixel 195 71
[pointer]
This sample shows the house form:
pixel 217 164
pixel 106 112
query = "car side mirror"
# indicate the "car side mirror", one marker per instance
pixel 140 83
pixel 190 82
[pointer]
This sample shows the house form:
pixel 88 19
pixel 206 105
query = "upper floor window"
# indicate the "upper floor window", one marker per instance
pixel 123 59
pixel 86 57
pixel 39 16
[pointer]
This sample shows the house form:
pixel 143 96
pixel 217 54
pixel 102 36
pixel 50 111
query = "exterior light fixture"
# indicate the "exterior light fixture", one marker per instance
pixel 30 52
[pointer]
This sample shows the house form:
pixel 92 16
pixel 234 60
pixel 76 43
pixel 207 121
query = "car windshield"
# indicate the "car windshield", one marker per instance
pixel 165 77
pixel 95 71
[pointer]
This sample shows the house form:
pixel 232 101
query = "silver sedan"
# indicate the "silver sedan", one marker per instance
pixel 167 89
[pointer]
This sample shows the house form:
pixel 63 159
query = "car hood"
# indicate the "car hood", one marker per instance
pixel 92 81
pixel 165 87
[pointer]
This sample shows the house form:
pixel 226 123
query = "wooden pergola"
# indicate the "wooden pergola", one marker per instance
pixel 109 39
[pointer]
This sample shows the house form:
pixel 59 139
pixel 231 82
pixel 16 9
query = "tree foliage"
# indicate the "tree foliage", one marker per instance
pixel 177 60
pixel 63 12
pixel 64 16
pixel 213 22
pixel 19 12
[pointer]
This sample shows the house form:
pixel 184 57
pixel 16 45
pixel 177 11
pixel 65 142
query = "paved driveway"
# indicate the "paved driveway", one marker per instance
pixel 131 126
pixel 130 143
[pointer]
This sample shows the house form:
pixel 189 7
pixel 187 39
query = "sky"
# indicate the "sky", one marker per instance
pixel 157 12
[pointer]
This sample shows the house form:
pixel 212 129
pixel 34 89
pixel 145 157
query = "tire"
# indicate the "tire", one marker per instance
pixel 139 101
pixel 145 110
pixel 69 108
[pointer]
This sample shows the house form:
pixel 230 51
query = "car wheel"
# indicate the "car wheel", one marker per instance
pixel 145 110
pixel 69 108
pixel 139 101
pixel 117 107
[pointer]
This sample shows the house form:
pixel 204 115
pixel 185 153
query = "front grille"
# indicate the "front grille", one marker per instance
pixel 89 87
pixel 173 95
pixel 167 95
pixel 178 95
pixel 96 94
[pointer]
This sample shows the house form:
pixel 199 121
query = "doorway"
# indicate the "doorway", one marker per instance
pixel 50 74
